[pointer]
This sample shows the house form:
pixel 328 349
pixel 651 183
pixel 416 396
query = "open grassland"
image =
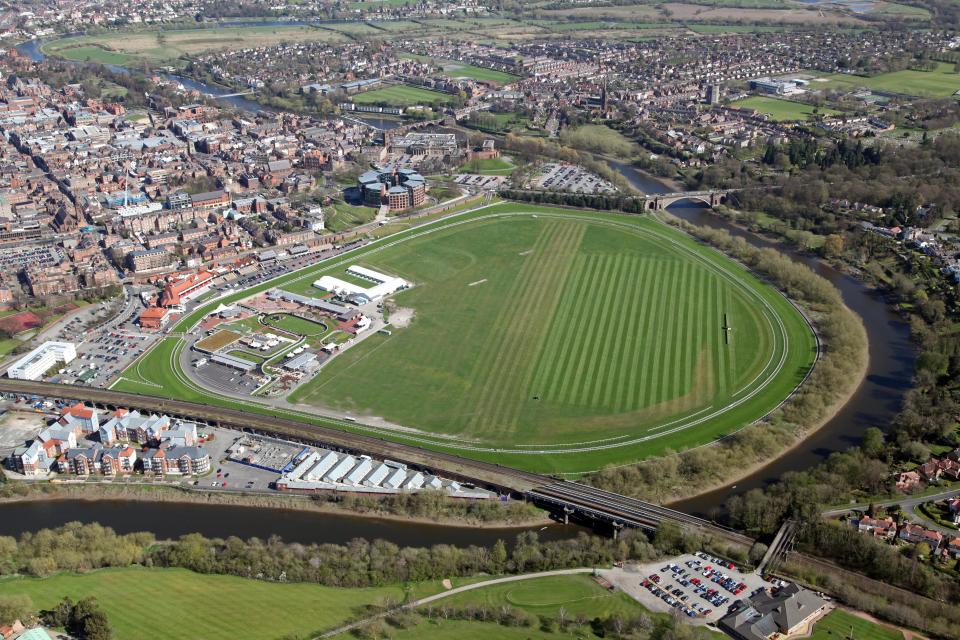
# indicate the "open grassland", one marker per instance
pixel 126 47
pixel 591 338
pixel 401 95
pixel 840 625
pixel 782 110
pixel 940 82
pixel 178 604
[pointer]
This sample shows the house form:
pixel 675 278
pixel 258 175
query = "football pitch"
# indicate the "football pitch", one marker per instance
pixel 546 339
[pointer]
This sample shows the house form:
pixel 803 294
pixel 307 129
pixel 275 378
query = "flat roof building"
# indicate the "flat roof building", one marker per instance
pixel 33 365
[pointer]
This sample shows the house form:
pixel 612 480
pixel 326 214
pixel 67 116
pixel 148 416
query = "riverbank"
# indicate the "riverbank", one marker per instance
pixel 759 465
pixel 515 515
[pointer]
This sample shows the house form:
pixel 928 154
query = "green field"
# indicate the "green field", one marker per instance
pixel 401 95
pixel 545 339
pixel 178 604
pixel 130 46
pixel 294 324
pixel 577 595
pixel 491 166
pixel 938 83
pixel 782 110
pixel 839 625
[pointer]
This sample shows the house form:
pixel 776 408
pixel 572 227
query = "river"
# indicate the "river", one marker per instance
pixel 875 403
pixel 172 520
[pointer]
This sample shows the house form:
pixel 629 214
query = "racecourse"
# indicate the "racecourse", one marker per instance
pixel 592 339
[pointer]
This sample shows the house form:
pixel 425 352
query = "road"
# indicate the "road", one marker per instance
pixel 451 592
pixel 909 507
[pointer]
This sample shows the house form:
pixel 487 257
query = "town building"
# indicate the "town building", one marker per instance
pixel 390 186
pixel 36 363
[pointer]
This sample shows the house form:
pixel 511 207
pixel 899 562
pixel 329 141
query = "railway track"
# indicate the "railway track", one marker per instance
pixel 570 497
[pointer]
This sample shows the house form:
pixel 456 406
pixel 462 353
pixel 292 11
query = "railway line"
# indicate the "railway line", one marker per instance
pixel 563 497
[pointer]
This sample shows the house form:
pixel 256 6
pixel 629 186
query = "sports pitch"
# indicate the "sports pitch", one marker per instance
pixel 545 339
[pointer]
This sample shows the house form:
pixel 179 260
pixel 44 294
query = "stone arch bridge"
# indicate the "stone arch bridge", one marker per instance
pixel 710 198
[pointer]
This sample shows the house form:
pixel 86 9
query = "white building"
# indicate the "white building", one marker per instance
pixel 383 285
pixel 40 360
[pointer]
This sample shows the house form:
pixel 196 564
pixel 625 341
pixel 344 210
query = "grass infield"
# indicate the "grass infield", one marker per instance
pixel 546 339
pixel 840 625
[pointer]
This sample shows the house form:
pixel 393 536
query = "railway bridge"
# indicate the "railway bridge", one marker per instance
pixel 565 499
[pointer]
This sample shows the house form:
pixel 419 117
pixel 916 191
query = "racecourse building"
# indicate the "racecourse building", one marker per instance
pixel 391 186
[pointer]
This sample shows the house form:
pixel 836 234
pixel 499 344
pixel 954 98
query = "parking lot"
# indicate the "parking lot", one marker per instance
pixel 566 177
pixel 698 585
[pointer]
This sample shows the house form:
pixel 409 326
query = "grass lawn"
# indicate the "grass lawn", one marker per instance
pixel 838 625
pixel 781 110
pixel 178 604
pixel 401 95
pixel 493 166
pixel 246 355
pixel 545 327
pixel 578 595
pixel 599 138
pixel 938 83
pixel 342 216
pixel 128 46
pixel 294 324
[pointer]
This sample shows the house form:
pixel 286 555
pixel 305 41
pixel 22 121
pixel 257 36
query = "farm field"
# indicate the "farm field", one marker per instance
pixel 218 607
pixel 536 350
pixel 782 110
pixel 839 624
pixel 125 47
pixel 941 82
pixel 401 96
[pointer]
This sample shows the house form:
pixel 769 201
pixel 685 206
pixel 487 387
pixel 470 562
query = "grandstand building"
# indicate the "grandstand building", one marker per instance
pixel 393 187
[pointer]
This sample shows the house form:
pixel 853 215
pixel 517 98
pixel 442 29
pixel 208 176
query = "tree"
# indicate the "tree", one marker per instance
pixel 833 245
pixel 873 442
pixel 96 627
pixel 17 606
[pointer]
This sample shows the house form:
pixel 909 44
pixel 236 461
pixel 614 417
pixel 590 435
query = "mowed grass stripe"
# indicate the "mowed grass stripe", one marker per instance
pixel 505 327
pixel 701 297
pixel 469 410
pixel 731 371
pixel 547 290
pixel 524 325
pixel 672 373
pixel 629 358
pixel 662 334
pixel 625 330
pixel 598 367
pixel 588 340
pixel 555 366
pixel 717 342
pixel 580 326
pixel 651 326
pixel 548 366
